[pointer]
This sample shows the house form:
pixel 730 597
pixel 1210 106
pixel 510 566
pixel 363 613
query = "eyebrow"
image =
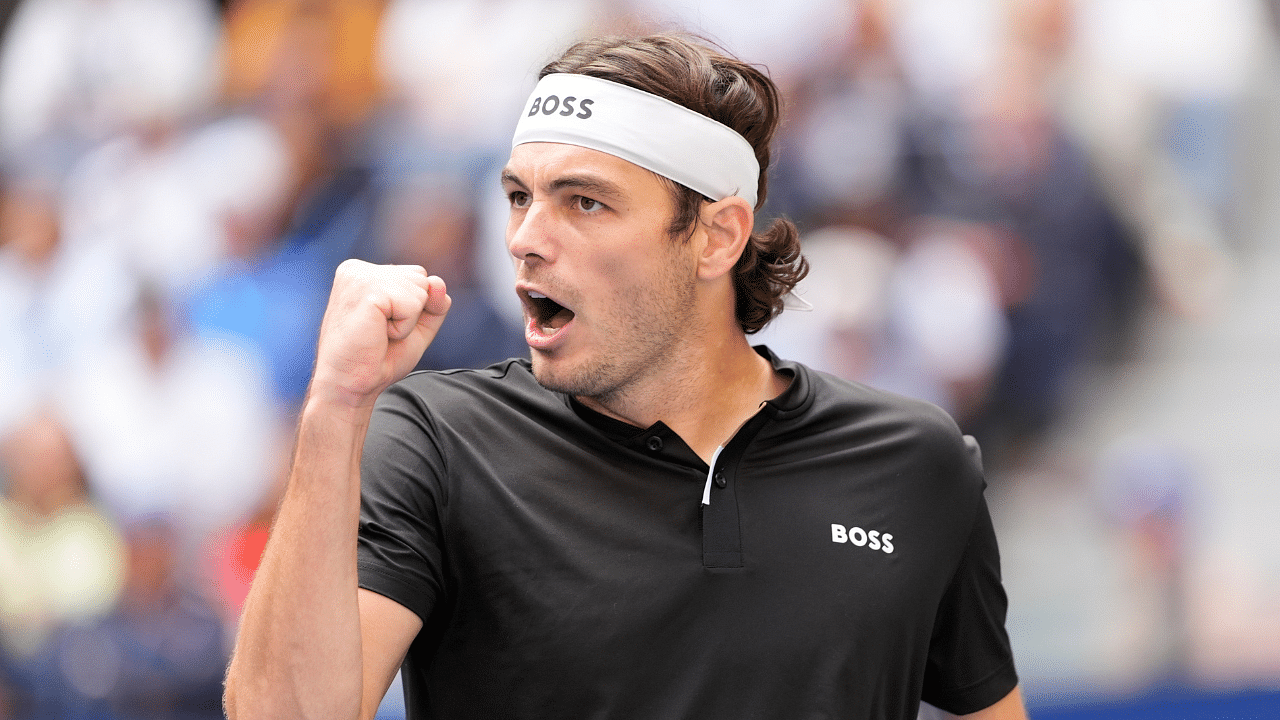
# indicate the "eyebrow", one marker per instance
pixel 587 183
pixel 510 178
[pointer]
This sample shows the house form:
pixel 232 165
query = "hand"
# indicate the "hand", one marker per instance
pixel 379 320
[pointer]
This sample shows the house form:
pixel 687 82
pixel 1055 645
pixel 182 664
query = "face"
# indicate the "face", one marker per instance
pixel 608 295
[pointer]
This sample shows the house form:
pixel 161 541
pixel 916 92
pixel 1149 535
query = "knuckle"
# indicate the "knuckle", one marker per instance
pixel 351 271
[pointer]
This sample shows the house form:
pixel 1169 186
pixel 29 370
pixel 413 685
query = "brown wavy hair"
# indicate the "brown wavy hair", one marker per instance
pixel 692 72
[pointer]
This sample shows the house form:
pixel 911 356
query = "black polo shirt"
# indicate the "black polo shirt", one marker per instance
pixel 564 564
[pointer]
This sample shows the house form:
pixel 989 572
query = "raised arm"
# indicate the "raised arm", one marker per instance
pixel 310 644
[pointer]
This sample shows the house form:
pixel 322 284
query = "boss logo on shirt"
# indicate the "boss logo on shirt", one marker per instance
pixel 871 539
pixel 552 104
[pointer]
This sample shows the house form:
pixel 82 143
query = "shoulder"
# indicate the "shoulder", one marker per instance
pixel 862 406
pixel 435 420
pixel 506 381
pixel 483 399
pixel 879 428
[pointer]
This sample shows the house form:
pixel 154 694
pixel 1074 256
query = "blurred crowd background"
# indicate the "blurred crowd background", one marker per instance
pixel 1057 219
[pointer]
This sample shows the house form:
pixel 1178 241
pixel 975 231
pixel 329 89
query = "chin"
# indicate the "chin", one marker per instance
pixel 551 376
pixel 582 380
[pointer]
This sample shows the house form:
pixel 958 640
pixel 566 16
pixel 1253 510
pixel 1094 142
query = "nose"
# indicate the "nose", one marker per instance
pixel 530 234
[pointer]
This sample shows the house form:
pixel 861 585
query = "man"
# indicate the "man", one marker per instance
pixel 647 518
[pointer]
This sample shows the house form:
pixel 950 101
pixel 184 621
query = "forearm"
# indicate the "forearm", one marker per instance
pixel 298 652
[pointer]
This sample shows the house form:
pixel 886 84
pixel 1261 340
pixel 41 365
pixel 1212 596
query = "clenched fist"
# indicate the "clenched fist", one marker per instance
pixel 379 320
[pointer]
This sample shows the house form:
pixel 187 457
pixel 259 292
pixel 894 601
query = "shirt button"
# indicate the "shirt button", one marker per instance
pixel 655 443
pixel 720 481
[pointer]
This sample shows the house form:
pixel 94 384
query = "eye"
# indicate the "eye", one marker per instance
pixel 518 198
pixel 587 205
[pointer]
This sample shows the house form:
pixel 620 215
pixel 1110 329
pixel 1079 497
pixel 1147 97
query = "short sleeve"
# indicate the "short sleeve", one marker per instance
pixel 970 664
pixel 400 550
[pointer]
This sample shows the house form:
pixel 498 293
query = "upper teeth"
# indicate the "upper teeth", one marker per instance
pixel 537 295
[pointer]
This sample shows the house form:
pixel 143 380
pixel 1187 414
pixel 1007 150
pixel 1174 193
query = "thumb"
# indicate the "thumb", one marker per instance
pixel 438 300
pixel 434 309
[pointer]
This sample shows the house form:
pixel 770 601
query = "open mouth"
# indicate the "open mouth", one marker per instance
pixel 546 314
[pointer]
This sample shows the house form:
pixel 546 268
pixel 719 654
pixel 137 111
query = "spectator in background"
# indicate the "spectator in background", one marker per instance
pixel 319 53
pixel 924 320
pixel 162 652
pixel 1003 159
pixel 62 561
pixel 847 143
pixel 159 654
pixel 308 68
pixel 267 295
pixel 157 199
pixel 76 72
pixel 302 86
pixel 174 424
pixel 122 76
pixel 59 300
pixel 848 285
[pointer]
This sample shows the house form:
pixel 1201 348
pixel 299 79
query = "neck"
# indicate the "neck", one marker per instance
pixel 709 393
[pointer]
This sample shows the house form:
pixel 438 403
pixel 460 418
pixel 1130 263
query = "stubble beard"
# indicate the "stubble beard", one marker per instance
pixel 640 340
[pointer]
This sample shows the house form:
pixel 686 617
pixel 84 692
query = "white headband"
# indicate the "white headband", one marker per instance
pixel 639 127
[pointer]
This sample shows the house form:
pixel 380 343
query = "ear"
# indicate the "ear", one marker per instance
pixel 727 225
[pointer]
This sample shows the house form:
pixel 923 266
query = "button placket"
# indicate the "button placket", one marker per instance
pixel 721 524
